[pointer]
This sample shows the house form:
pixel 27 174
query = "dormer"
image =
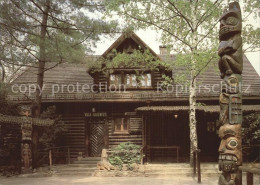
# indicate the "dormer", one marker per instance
pixel 128 64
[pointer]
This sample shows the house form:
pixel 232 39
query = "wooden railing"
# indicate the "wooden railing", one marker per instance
pixel 196 164
pixel 174 147
pixel 250 171
pixel 51 154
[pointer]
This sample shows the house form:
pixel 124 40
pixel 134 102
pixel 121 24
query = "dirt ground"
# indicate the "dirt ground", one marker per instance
pixel 80 180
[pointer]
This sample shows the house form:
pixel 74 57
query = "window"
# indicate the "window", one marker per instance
pixel 120 124
pixel 145 80
pixel 131 80
pixel 115 79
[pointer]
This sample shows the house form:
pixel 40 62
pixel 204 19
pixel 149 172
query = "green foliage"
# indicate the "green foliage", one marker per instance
pixel 72 29
pixel 137 59
pixel 250 130
pixel 125 153
pixel 6 107
pixel 190 27
pixel 52 136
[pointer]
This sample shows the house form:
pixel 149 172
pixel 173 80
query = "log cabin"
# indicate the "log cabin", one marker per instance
pixel 99 117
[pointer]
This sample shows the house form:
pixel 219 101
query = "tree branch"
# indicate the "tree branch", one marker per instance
pixel 24 47
pixel 37 6
pixel 202 19
pixel 188 21
pixel 201 69
pixel 25 13
pixel 151 23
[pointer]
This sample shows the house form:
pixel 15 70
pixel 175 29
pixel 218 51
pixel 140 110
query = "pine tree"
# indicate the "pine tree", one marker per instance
pixel 36 32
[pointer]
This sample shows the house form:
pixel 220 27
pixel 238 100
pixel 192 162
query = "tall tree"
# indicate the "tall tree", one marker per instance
pixel 189 27
pixel 36 32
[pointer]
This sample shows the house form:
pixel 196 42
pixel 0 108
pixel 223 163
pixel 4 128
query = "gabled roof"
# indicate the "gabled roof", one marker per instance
pixel 75 74
pixel 135 38
pixel 6 119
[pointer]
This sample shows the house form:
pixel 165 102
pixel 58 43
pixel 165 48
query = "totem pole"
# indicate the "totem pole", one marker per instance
pixel 26 128
pixel 230 66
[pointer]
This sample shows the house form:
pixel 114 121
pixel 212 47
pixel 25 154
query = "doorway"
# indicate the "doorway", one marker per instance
pixel 96 136
pixel 167 137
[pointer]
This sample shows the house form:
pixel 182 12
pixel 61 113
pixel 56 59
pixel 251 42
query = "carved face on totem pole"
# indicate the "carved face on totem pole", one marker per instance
pixel 229 150
pixel 26 156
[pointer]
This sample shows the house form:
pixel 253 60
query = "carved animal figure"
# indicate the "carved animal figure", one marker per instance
pixel 230 47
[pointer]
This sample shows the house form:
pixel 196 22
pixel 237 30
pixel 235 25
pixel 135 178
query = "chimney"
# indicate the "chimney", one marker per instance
pixel 163 50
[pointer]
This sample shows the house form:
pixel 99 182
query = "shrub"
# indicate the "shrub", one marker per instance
pixel 125 153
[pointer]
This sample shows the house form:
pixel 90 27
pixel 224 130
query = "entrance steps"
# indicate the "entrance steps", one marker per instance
pixel 179 169
pixel 84 167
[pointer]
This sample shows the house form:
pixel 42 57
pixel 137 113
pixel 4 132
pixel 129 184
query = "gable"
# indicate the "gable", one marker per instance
pixel 128 42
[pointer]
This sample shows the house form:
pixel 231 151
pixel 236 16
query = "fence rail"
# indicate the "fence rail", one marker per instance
pixel 51 154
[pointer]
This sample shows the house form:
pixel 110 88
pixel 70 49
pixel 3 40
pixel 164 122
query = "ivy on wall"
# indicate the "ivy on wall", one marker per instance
pixel 135 60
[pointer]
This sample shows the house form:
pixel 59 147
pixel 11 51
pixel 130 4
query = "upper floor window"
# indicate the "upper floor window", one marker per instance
pixel 131 80
pixel 115 79
pixel 146 80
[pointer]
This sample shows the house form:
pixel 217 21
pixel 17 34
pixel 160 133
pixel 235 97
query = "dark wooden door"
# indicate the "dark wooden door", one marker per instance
pixel 97 138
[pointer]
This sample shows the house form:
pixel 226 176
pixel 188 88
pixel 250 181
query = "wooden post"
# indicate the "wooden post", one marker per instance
pixel 177 153
pixel 50 158
pixel 143 139
pixel 249 178
pixel 194 163
pixel 69 155
pixel 198 163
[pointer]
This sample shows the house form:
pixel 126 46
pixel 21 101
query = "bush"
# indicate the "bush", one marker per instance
pixel 125 153
pixel 251 136
pixel 250 130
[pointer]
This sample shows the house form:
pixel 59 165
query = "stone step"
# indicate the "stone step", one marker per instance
pixel 85 162
pixel 90 159
pixel 177 168
pixel 180 169
pixel 85 174
pixel 183 165
pixel 83 165
pixel 76 170
pixel 168 174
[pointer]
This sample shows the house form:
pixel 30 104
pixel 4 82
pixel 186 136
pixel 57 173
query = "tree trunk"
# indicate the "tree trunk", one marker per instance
pixel 192 120
pixel 40 75
pixel 192 94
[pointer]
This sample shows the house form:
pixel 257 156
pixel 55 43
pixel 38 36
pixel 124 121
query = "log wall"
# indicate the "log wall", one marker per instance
pixel 75 135
pixel 134 134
